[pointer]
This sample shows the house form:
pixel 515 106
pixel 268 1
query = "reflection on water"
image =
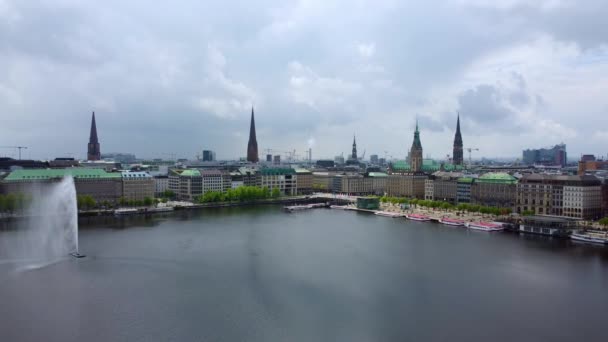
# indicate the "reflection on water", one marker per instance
pixel 260 274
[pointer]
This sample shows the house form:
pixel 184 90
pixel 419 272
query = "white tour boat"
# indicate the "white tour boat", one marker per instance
pixel 418 217
pixel 485 226
pixel 591 237
pixel 388 214
pixel 451 222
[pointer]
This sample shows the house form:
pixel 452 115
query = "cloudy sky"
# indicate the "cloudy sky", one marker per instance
pixel 180 76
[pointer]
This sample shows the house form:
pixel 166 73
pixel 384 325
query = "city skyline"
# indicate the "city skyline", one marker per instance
pixel 170 86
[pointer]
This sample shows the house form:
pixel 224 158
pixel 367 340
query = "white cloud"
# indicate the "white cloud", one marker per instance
pixel 366 50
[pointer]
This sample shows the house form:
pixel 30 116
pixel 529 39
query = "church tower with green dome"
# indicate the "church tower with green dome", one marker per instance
pixel 416 152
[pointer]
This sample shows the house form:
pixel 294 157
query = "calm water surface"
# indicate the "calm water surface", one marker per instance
pixel 259 274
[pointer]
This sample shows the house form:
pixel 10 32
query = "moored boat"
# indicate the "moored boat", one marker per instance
pixel 590 237
pixel 388 214
pixel 418 217
pixel 451 222
pixel 485 226
pixel 125 211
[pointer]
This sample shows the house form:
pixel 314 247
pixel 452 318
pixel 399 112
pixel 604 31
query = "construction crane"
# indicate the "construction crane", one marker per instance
pixel 16 147
pixel 470 150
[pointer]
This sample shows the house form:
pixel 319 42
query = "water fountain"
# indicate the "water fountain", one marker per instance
pixel 50 231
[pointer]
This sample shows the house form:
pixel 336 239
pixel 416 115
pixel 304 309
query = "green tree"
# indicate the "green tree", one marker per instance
pixel 528 212
pixel 603 222
pixel 148 201
pixel 168 194
pixel 2 203
pixel 276 193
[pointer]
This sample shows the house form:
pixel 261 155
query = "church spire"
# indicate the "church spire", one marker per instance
pixel 457 154
pixel 416 152
pixel 93 150
pixel 354 155
pixel 252 145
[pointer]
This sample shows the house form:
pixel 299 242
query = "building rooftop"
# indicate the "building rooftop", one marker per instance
pixel 135 174
pixel 377 174
pixel 43 174
pixel 277 171
pixel 497 177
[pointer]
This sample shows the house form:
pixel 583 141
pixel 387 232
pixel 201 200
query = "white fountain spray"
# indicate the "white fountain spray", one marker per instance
pixel 50 233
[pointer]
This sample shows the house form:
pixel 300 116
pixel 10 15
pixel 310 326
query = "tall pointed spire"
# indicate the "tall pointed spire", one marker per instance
pixel 416 151
pixel 457 154
pixel 354 155
pixel 93 150
pixel 252 145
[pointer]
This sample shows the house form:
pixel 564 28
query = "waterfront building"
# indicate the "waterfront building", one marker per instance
pixel 187 184
pixel 379 182
pixel 416 152
pixel 250 176
pixel 137 185
pixel 406 185
pixel 553 156
pixel 560 195
pixel 208 156
pixel 215 180
pixel 463 189
pixel 322 180
pixel 368 203
pixel 102 186
pixel 284 179
pixel 442 186
pixel 494 189
pixel 161 184
pixel 353 184
pixel 305 181
pixel 548 225
pixel 93 148
pixel 252 145
pixel 457 153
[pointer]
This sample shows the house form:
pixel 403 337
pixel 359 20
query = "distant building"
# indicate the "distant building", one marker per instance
pixel 570 196
pixel 61 163
pixel 496 189
pixel 208 155
pixel 416 152
pixel 277 160
pixel 374 159
pixel 339 160
pixel 406 185
pixel 123 158
pixel 322 180
pixel 382 161
pixel 93 148
pixel 269 158
pixel 324 163
pixel 457 154
pixel 102 165
pixel 587 158
pixel 9 164
pixel 463 189
pixel 304 181
pixel 554 156
pixel 101 185
pixel 137 185
pixel 284 179
pixel 589 166
pixel 215 180
pixel 353 156
pixel 161 184
pixel 186 184
pixel 442 186
pixel 252 145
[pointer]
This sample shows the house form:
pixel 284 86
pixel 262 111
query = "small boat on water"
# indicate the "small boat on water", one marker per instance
pixel 418 217
pixel 388 214
pixel 590 237
pixel 297 207
pixel 485 226
pixel 451 222
pixel 343 207
pixel 125 211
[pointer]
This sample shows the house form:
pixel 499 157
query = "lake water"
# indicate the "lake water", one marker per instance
pixel 260 274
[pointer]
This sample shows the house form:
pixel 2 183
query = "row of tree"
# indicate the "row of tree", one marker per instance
pixel 473 208
pixel 14 202
pixel 240 194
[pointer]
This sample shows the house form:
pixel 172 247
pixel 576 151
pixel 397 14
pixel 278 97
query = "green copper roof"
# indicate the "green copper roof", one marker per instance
pixel 465 180
pixel 302 171
pixel 377 174
pixel 190 173
pixel 497 177
pixel 42 174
